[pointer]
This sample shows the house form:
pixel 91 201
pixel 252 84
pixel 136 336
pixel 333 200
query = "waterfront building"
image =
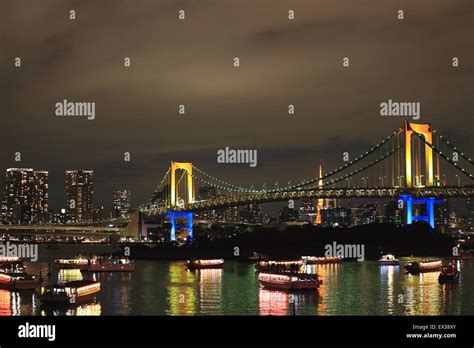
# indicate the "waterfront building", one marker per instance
pixel 122 203
pixel 79 195
pixel 25 198
pixel 39 192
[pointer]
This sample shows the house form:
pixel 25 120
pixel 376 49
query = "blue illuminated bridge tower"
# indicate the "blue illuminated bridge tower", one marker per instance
pixel 181 219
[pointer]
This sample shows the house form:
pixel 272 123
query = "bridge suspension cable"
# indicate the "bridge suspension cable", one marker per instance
pixel 232 187
pixel 357 171
pixel 447 142
pixel 454 164
pixel 303 183
pixel 162 182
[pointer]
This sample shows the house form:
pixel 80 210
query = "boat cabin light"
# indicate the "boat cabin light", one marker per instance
pixel 9 259
pixel 210 262
pixel 5 279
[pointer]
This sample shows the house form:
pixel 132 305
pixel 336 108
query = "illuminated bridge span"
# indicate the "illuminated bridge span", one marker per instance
pixel 445 192
pixel 414 165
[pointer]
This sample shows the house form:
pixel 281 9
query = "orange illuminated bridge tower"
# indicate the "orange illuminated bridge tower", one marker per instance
pixel 423 130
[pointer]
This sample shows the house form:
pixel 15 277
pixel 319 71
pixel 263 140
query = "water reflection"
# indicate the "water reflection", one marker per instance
pixel 387 287
pixel 272 302
pixel 167 288
pixel 16 303
pixel 90 309
pixel 328 273
pixel 5 303
pixel 422 294
pixel 181 293
pixel 69 275
pixel 210 290
pixel 278 302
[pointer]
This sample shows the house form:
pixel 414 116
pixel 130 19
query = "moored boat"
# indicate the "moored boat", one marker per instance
pixel 204 263
pixel 289 281
pixel 388 260
pixel 19 281
pixel 280 266
pixel 111 265
pixel 70 293
pixel 449 273
pixel 12 265
pixel 316 260
pixel 76 263
pixel 424 266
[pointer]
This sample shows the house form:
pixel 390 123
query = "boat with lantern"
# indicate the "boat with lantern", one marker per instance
pixel 12 265
pixel 79 262
pixel 388 260
pixel 418 267
pixel 19 281
pixel 289 280
pixel 204 263
pixel 70 293
pixel 280 266
pixel 316 260
pixel 111 265
pixel 449 273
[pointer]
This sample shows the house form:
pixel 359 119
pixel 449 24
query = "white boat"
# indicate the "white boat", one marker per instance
pixel 389 260
pixel 289 281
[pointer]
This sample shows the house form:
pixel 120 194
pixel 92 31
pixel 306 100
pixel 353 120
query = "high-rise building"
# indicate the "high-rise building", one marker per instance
pixel 25 198
pixel 122 203
pixel 39 207
pixel 79 195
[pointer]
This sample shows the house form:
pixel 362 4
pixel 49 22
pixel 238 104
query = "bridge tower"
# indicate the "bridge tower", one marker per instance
pixel 188 168
pixel 177 216
pixel 425 130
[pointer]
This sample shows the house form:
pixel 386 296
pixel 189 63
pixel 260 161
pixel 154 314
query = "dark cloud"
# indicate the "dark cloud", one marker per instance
pixel 282 62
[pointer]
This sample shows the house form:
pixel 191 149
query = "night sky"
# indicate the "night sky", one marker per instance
pixel 190 62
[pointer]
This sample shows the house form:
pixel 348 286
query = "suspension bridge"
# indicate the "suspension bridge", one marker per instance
pixel 414 165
